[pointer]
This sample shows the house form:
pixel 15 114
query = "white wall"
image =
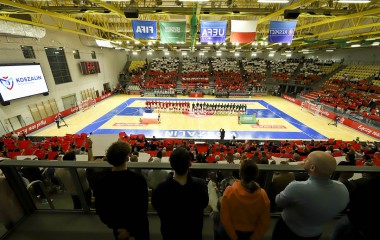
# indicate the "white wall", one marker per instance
pixel 111 63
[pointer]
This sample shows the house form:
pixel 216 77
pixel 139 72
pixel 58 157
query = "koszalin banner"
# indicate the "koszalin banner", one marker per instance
pixel 243 31
pixel 144 29
pixel 213 31
pixel 173 32
pixel 281 32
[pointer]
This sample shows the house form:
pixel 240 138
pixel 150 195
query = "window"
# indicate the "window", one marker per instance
pixel 58 65
pixel 93 54
pixel 28 51
pixel 76 54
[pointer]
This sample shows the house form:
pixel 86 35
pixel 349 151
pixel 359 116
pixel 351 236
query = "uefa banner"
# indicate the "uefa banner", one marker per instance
pixel 173 32
pixel 281 32
pixel 213 31
pixel 144 29
pixel 243 31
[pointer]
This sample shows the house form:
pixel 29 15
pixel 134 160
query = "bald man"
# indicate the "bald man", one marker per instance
pixel 308 205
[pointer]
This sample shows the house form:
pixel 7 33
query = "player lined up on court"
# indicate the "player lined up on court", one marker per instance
pixel 168 106
pixel 197 107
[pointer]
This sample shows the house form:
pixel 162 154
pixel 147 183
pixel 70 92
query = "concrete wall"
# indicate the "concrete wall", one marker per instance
pixel 111 64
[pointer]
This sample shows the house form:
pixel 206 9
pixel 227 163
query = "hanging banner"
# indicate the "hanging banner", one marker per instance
pixel 213 31
pixel 281 32
pixel 144 29
pixel 173 32
pixel 243 31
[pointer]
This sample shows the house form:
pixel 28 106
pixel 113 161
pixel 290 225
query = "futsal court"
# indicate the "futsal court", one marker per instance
pixel 278 120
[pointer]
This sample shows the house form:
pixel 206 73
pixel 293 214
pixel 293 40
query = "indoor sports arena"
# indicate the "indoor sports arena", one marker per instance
pixel 189 119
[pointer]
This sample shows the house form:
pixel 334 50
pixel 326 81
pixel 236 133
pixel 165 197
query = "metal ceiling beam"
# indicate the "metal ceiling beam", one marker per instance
pixel 49 26
pixel 109 7
pixel 60 16
pixel 342 30
pixel 335 19
pixel 280 12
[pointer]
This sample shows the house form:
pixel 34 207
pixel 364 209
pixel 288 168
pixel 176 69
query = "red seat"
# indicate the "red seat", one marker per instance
pixel 23 144
pixel 52 155
pixel 13 155
pixel 40 153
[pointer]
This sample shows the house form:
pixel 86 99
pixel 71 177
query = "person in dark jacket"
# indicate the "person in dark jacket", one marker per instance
pixel 121 197
pixel 180 200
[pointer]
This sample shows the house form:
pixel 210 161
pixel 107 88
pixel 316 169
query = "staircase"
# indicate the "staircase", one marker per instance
pixel 296 72
pixel 319 83
pixel 179 79
pixel 312 96
pixel 211 79
pixel 241 67
pixel 124 76
pixel 269 70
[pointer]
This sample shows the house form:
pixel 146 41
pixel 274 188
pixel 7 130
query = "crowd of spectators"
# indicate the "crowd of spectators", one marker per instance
pixel 195 74
pixel 227 75
pixel 309 72
pixel 163 74
pixel 283 69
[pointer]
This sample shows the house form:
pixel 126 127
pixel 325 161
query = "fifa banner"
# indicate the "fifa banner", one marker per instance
pixel 243 31
pixel 213 31
pixel 144 29
pixel 248 119
pixel 281 32
pixel 173 32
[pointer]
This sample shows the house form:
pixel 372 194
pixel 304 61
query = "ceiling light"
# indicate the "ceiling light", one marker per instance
pixel 201 54
pixel 184 53
pixel 375 44
pixel 237 54
pixel 219 54
pixel 288 55
pixel 149 53
pixel 271 55
pixel 166 53
pixel 330 50
pixel 355 45
pixel 354 1
pixel 254 54
pixel 288 51
pixel 273 1
pixel 134 53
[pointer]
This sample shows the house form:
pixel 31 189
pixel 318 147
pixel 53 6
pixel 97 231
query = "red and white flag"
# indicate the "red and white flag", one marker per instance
pixel 243 31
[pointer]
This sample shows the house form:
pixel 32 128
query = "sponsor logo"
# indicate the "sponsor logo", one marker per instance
pixel 7 82
pixel 364 129
pixel 341 120
pixel 289 98
pixel 269 126
pixel 28 79
pixel 213 32
pixel 193 115
pixel 172 29
pixel 144 29
pixel 130 124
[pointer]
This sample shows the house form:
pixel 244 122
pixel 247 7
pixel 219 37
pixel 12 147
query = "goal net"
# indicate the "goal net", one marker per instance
pixel 312 108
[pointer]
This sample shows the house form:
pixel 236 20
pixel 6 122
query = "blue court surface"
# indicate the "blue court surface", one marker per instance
pixel 299 130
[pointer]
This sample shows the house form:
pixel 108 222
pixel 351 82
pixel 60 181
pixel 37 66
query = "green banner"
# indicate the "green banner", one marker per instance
pixel 248 119
pixel 173 32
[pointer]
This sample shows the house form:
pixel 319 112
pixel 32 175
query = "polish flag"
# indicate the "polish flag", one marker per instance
pixel 243 31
